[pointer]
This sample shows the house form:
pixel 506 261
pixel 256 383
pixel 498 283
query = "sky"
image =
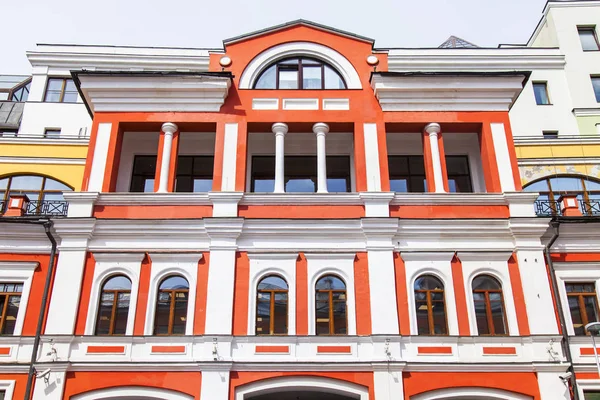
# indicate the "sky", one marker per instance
pixel 201 23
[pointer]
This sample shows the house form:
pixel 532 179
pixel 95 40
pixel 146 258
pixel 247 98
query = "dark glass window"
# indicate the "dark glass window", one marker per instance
pixel 299 73
pixel 591 395
pixel 61 90
pixel 583 303
pixel 300 174
pixel 330 304
pixel 459 174
pixel 37 189
pixel 114 306
pixel 144 171
pixel 588 38
pixel 489 306
pixel 171 306
pixel 194 174
pixel 596 87
pixel 430 306
pixel 407 174
pixel 10 299
pixel 550 134
pixel 272 306
pixel 21 93
pixel 52 133
pixel 540 90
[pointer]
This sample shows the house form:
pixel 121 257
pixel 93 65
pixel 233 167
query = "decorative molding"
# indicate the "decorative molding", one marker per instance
pixel 41 160
pixel 484 256
pixel 587 112
pixel 561 140
pixel 63 141
pixel 449 199
pixel 301 199
pixel 119 199
pixel 427 256
pixel 536 162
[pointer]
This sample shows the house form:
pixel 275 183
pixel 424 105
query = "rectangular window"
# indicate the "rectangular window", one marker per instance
pixel 540 90
pixel 194 174
pixel 144 170
pixel 596 86
pixel 407 174
pixel 10 299
pixel 60 90
pixel 459 174
pixel 583 305
pixel 300 174
pixel 591 395
pixel 550 134
pixel 51 133
pixel 588 38
pixel 288 77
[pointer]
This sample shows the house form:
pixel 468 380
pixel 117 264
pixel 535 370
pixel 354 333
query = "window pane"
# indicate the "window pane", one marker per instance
pixel 273 283
pixel 332 79
pixel 52 96
pixel 541 186
pixel 104 314
pixel 540 91
pixel 339 318
pixel 183 184
pixel 481 317
pixel 428 282
pixel 591 308
pixel 174 282
pixel 399 185
pixel 11 314
pixel 263 314
pixel 55 84
pixel 591 395
pixel 587 36
pixel 288 79
pixel 51 184
pixel 202 185
pixel 311 78
pixel 485 282
pixel 439 318
pixel 301 185
pixel 180 313
pixel 498 317
pixel 267 79
pixel 566 184
pixel 596 86
pixel 26 183
pixel 322 314
pixel 70 97
pixel 121 313
pixel 338 185
pixel 184 165
pixel 264 185
pixel 163 311
pixel 280 323
pixel 330 282
pixel 144 169
pixel 118 283
pixel 422 318
pixel 3 183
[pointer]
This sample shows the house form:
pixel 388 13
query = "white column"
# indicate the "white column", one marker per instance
pixel 215 385
pixel 169 129
pixel 54 388
pixel 279 129
pixel 321 129
pixel 438 179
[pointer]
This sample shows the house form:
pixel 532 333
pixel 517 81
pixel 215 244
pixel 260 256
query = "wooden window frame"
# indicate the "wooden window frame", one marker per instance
pixel 551 193
pixel 7 296
pixel 545 83
pixel 302 61
pixel 112 322
pixel 430 309
pixel 330 302
pixel 488 310
pixel 272 293
pixel 580 297
pixel 41 192
pixel 588 28
pixel 173 296
pixel 62 90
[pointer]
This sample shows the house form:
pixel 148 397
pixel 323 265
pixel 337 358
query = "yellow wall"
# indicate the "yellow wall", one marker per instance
pixel 558 150
pixel 530 173
pixel 587 125
pixel 43 150
pixel 72 175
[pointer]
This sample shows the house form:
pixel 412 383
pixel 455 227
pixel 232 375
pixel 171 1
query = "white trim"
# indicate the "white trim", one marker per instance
pixel 107 266
pixel 470 393
pixel 41 160
pixel 23 138
pixel 309 383
pixel 586 112
pixel 372 157
pixel 19 272
pixel 100 156
pixel 587 384
pixel 341 265
pixel 503 161
pixel 9 387
pixel 537 162
pixel 269 56
pixel 282 265
pixel 229 157
pixel 132 392
pixel 163 265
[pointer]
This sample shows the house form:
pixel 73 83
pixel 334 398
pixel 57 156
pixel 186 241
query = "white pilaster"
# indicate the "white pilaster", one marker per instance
pixel 52 389
pixel 279 129
pixel 433 130
pixel 321 129
pixel 387 384
pixel 100 157
pixel 507 181
pixel 229 158
pixel 169 129
pixel 372 158
pixel 552 387
pixel 215 385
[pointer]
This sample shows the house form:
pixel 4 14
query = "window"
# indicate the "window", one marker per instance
pixel 583 304
pixel 550 134
pixel 21 92
pixel 591 395
pixel 588 38
pixel 272 306
pixel 540 90
pixel 299 73
pixel 489 306
pixel 596 87
pixel 37 188
pixel 430 306
pixel 300 174
pixel 550 190
pixel 330 301
pixel 10 299
pixel 171 306
pixel 51 133
pixel 144 171
pixel 114 306
pixel 61 90
pixel 194 174
pixel 459 174
pixel 407 174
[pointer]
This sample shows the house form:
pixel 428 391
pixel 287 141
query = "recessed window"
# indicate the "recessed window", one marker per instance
pixel 550 134
pixel 144 171
pixel 113 309
pixel 171 306
pixel 430 306
pixel 300 174
pixel 61 90
pixel 10 299
pixel 300 73
pixel 583 305
pixel 540 90
pixel 51 133
pixel 588 38
pixel 194 174
pixel 459 174
pixel 272 306
pixel 331 309
pixel 596 86
pixel 489 306
pixel 407 174
pixel 591 395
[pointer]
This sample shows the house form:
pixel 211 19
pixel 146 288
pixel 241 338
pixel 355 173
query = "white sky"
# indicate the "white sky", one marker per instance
pixel 205 23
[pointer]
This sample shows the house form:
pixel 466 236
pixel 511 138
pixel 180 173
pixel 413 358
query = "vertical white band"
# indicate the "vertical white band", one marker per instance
pixel 163 180
pixel 438 178
pixel 279 129
pixel 321 129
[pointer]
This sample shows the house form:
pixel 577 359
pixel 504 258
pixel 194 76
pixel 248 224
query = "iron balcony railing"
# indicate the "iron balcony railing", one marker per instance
pixel 51 208
pixel 549 208
pixel 3 204
pixel 590 208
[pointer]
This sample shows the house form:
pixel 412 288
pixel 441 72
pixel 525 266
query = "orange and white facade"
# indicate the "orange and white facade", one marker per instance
pixel 441 107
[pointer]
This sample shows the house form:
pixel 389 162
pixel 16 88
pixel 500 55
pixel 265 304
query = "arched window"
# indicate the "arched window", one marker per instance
pixel 299 73
pixel 550 189
pixel 330 303
pixel 489 306
pixel 114 306
pixel 272 306
pixel 38 189
pixel 430 306
pixel 171 306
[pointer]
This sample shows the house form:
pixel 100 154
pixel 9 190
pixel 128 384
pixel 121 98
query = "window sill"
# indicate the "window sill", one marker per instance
pixel 548 104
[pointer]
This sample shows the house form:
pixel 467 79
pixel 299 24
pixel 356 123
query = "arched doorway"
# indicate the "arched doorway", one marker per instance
pixel 302 388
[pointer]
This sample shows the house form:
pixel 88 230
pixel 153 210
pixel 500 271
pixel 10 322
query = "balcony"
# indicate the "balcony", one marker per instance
pixel 20 206
pixel 553 208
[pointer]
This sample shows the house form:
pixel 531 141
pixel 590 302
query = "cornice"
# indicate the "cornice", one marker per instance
pixel 18 265
pixel 41 160
pixel 175 257
pixel 427 256
pixel 449 199
pixel 501 256
pixel 536 162
pixel 561 140
pixel 24 139
pixel 143 199
pixel 271 256
pixel 118 257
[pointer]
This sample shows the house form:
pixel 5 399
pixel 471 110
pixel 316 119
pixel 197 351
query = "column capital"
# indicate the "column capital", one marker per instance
pixel 320 128
pixel 169 127
pixel 279 128
pixel 433 128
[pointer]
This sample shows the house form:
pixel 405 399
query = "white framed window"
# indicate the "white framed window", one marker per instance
pixel 263 265
pixel 340 265
pixel 20 272
pixel 8 387
pixel 494 264
pixel 438 265
pixel 109 265
pixel 171 264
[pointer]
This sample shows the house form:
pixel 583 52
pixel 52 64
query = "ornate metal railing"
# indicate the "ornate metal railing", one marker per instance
pixel 547 208
pixel 3 204
pixel 590 208
pixel 53 208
